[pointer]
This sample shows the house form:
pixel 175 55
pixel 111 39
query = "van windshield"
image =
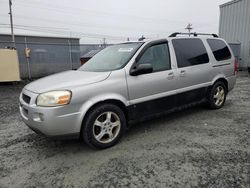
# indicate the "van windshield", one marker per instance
pixel 111 58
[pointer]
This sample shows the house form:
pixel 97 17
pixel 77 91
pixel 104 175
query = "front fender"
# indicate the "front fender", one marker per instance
pixel 98 99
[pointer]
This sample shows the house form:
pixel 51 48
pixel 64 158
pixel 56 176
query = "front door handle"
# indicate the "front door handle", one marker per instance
pixel 170 75
pixel 182 73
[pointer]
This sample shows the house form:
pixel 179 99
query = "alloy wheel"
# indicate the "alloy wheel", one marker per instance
pixel 106 127
pixel 219 96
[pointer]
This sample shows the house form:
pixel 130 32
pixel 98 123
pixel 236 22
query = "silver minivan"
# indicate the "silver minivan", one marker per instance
pixel 127 82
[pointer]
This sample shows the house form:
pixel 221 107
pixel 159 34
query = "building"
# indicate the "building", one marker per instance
pixel 89 55
pixel 47 54
pixel 235 28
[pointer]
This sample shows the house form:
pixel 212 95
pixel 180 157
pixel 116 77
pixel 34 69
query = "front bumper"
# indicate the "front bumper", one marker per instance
pixel 50 121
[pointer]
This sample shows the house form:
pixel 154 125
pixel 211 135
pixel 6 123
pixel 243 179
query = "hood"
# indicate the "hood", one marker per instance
pixel 66 80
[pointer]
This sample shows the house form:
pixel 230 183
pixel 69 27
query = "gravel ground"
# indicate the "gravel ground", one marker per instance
pixel 192 148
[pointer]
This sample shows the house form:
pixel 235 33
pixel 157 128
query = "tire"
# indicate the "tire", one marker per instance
pixel 217 95
pixel 104 125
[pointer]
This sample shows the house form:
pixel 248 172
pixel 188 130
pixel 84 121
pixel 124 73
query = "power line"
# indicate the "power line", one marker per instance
pixel 69 11
pixel 76 11
pixel 33 26
pixel 79 24
pixel 80 34
pixel 84 24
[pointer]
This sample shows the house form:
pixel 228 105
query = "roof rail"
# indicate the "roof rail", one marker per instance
pixel 194 34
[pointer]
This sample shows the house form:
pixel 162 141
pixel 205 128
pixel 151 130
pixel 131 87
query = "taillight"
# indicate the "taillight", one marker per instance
pixel 235 66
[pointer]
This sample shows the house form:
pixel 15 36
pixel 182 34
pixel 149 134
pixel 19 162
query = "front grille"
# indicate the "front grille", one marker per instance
pixel 26 98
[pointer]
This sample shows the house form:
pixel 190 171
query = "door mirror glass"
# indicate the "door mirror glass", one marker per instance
pixel 141 69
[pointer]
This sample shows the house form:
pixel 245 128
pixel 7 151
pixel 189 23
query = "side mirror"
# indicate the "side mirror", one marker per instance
pixel 141 69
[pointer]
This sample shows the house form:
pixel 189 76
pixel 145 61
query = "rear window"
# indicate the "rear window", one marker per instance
pixel 220 49
pixel 190 52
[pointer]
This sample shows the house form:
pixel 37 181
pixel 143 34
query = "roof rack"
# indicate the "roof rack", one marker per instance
pixel 194 34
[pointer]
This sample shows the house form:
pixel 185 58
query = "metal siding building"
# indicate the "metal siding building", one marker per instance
pixel 48 54
pixel 235 27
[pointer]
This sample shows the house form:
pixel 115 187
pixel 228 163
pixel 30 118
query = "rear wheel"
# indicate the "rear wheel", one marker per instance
pixel 104 126
pixel 217 95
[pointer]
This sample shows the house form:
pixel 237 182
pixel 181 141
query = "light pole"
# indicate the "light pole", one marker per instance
pixel 11 23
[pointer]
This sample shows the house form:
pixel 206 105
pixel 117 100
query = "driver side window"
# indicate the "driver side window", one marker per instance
pixel 158 56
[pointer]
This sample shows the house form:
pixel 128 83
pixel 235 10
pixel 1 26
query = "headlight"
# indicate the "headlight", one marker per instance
pixel 54 98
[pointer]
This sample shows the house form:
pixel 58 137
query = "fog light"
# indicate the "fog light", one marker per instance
pixel 39 117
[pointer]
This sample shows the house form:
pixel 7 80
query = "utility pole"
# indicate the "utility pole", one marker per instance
pixel 27 55
pixel 11 23
pixel 141 38
pixel 70 50
pixel 104 42
pixel 189 28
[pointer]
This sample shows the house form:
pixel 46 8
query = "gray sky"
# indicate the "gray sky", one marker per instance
pixel 92 20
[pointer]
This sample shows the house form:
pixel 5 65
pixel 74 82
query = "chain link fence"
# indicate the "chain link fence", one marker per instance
pixel 49 58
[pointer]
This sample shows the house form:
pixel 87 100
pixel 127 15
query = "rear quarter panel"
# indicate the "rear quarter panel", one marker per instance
pixel 222 69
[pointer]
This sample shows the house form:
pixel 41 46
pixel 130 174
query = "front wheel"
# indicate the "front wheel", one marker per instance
pixel 217 95
pixel 104 125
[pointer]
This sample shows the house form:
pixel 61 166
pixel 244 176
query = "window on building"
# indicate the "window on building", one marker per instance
pixel 190 52
pixel 158 56
pixel 220 50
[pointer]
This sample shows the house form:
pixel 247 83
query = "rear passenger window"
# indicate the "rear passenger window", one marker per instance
pixel 220 49
pixel 158 56
pixel 190 52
